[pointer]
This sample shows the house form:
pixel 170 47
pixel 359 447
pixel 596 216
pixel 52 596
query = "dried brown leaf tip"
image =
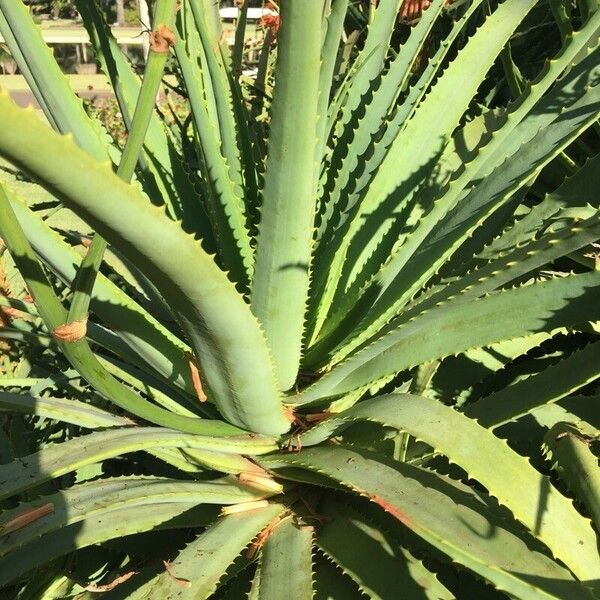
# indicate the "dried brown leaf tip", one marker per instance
pixel 26 518
pixel 196 379
pixel 161 39
pixel 107 587
pixel 271 19
pixel 411 10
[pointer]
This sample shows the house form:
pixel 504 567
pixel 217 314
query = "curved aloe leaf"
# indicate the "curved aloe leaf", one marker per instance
pixel 59 459
pixel 84 415
pixel 104 496
pixel 435 510
pixel 77 351
pixel 452 328
pixel 573 459
pixel 577 190
pixel 513 481
pixel 102 510
pixel 208 307
pixel 203 562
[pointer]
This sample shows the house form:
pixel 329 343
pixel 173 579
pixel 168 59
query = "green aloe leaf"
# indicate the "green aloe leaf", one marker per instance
pixel 284 241
pixel 77 350
pixel 452 328
pixel 286 562
pixel 203 562
pixel 102 510
pixel 513 481
pixel 209 308
pixel 59 459
pixel 379 567
pixel 435 510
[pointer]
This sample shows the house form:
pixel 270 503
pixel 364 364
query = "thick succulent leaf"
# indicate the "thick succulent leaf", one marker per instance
pixel 458 376
pixel 102 510
pixel 513 481
pixel 105 495
pixel 51 88
pixel 436 511
pixel 425 135
pixel 485 197
pixel 215 317
pixel 574 409
pixel 237 52
pixel 78 352
pixel 332 584
pixel 67 410
pixel 583 74
pixel 378 567
pixel 552 384
pixel 571 455
pixel 224 203
pixel 375 111
pixel 447 224
pixel 488 139
pixel 56 460
pixel 144 335
pixel 145 383
pixel 452 328
pixel 284 241
pixel 286 562
pixel 204 561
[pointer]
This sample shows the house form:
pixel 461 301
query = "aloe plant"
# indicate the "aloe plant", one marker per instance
pixel 336 334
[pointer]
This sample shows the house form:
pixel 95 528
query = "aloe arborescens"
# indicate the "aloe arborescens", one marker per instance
pixel 378 282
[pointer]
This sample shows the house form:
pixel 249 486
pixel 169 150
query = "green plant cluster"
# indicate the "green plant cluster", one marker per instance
pixel 327 330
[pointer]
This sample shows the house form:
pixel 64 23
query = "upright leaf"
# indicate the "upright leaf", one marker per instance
pixel 283 255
